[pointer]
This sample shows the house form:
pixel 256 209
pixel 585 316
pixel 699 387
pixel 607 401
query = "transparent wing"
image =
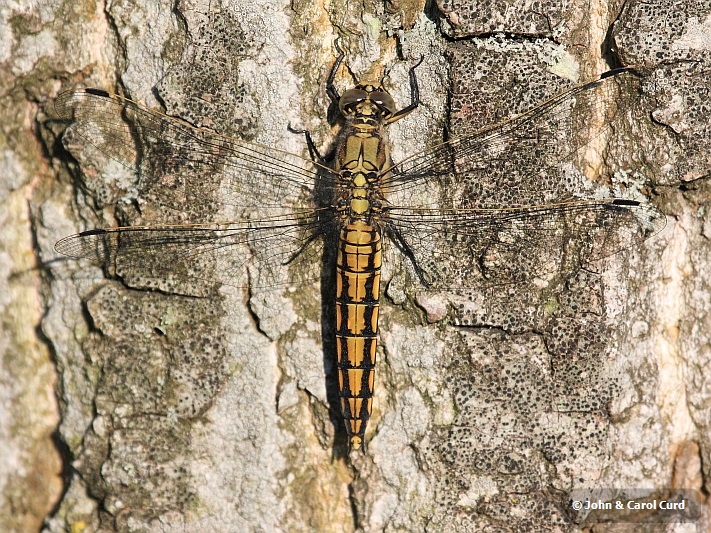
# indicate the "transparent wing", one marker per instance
pixel 274 200
pixel 516 161
pixel 179 164
pixel 507 204
pixel 196 259
pixel 466 248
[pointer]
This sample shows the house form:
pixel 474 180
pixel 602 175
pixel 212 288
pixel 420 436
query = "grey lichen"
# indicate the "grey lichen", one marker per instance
pixel 192 409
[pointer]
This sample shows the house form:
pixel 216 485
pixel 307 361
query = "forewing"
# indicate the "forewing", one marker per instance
pixel 180 165
pixel 517 161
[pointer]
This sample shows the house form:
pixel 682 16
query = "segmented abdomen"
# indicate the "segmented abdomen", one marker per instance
pixel 357 294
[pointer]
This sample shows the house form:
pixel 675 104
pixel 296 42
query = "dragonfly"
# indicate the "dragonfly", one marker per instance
pixel 498 206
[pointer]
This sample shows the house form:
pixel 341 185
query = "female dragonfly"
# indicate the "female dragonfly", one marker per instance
pixel 501 205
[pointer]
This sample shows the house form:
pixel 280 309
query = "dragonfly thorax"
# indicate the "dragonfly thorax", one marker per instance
pixel 359 189
pixel 361 159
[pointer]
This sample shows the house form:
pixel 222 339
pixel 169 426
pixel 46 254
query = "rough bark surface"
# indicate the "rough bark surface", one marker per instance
pixel 125 409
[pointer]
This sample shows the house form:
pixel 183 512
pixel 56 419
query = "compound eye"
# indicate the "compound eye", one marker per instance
pixel 384 101
pixel 350 98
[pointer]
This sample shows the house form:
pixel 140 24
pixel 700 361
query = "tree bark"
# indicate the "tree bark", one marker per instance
pixel 492 410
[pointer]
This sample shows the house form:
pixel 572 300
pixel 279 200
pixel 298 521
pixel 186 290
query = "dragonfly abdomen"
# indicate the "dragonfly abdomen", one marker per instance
pixel 357 302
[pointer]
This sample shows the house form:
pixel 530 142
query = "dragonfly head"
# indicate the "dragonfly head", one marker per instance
pixel 367 100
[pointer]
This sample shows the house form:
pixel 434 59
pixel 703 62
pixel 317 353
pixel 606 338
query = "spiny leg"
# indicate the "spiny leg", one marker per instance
pixel 414 95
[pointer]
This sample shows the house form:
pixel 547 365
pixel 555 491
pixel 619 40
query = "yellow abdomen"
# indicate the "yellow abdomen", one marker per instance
pixel 357 295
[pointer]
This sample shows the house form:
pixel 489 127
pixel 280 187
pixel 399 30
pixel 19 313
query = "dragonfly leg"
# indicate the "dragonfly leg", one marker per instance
pixel 330 87
pixel 311 238
pixel 402 245
pixel 414 95
pixel 313 151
